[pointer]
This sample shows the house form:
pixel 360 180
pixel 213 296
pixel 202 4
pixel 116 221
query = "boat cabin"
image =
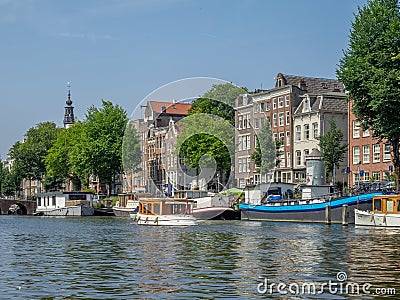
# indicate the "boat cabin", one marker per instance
pixel 160 206
pixel 386 204
pixel 63 199
pixel 125 197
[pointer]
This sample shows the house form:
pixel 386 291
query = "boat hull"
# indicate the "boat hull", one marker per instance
pixel 310 213
pixel 209 213
pixel 165 220
pixel 123 212
pixel 369 218
pixel 78 210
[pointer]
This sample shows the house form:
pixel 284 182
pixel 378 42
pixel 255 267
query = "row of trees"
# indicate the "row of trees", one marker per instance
pixel 92 147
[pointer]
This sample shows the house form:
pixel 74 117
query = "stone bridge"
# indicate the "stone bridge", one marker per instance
pixel 26 207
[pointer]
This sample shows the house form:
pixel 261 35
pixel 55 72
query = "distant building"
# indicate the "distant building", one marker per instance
pixel 69 117
pixel 277 107
pixel 312 119
pixel 369 159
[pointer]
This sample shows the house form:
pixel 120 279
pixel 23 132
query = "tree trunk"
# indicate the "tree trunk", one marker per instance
pixel 396 162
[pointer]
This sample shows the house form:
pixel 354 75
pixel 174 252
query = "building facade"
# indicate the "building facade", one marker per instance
pixel 369 159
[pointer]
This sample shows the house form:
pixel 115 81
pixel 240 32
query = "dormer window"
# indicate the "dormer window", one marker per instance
pixel 279 82
pixel 324 85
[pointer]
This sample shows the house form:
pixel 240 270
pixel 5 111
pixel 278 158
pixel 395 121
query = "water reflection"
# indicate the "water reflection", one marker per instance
pixel 87 258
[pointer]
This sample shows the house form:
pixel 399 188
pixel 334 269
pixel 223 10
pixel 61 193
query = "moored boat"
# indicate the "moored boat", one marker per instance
pixel 167 212
pixel 64 204
pixel 324 209
pixel 385 212
pixel 128 204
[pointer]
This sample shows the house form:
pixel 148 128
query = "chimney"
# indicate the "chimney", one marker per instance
pixel 163 109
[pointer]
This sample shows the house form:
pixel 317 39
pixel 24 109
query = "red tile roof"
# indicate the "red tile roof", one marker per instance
pixel 171 108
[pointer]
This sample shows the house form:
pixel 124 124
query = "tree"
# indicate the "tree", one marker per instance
pixel 370 71
pixel 30 155
pixel 131 153
pixel 104 129
pixel 266 154
pixel 2 175
pixel 332 147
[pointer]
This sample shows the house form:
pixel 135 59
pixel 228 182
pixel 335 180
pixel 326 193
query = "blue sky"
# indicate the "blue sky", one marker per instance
pixel 122 50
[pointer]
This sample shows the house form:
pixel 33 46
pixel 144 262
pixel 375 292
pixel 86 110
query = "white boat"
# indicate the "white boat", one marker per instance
pixel 165 212
pixel 128 204
pixel 64 204
pixel 385 212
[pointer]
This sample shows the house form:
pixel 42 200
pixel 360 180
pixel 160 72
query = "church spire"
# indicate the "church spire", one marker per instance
pixel 69 118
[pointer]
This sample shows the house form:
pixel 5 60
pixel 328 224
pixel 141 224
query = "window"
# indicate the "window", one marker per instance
pixel 287 101
pixel 268 106
pixel 356 155
pixel 274 119
pixel 282 160
pixel 257 178
pixel 315 130
pixel 262 104
pixel 240 165
pixel 274 103
pixel 356 129
pixel 376 153
pixel 288 159
pixel 366 133
pixel 386 153
pixel 366 154
pixel 244 121
pixel 240 143
pixel 280 115
pixel 287 117
pixel 248 142
pixel 306 153
pixel 298 132
pixel 256 123
pixel 248 120
pixel 306 131
pixel 248 164
pixel 282 138
pixel 256 107
pixel 287 137
pixel 280 102
pixel 376 176
pixel 261 122
pixel 298 157
pixel 366 176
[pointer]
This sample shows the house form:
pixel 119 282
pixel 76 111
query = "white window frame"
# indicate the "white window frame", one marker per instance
pixel 315 130
pixel 387 152
pixel 287 117
pixel 281 120
pixel 306 131
pixel 287 101
pixel 356 155
pixel 280 102
pixel 356 129
pixel 366 154
pixel 298 132
pixel 376 157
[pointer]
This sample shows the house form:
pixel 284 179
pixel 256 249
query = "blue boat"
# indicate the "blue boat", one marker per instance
pixel 322 210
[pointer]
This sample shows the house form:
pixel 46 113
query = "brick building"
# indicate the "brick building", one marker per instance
pixel 369 159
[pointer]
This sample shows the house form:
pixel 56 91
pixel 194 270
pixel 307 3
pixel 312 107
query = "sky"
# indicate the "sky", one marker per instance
pixel 124 50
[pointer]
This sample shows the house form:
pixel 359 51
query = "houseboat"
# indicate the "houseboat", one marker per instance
pixel 64 204
pixel 385 212
pixel 165 211
pixel 209 206
pixel 128 204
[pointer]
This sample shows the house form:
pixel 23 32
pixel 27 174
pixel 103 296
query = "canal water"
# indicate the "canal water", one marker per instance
pixel 112 258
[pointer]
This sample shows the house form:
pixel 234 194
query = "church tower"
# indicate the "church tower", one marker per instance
pixel 69 118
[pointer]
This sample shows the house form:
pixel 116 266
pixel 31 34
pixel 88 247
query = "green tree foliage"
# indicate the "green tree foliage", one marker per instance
pixel 30 155
pixel 218 101
pixel 332 147
pixel 266 154
pixel 68 158
pixel 104 129
pixel 131 153
pixel 370 70
pixel 208 137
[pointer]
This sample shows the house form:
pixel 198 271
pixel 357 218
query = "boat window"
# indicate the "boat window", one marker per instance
pixel 389 205
pixel 156 208
pixel 398 205
pixel 377 204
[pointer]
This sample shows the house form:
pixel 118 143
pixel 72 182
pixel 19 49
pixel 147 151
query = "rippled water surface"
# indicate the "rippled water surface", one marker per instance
pixel 111 258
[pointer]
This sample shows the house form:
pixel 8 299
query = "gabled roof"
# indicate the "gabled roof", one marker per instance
pixel 170 107
pixel 311 84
